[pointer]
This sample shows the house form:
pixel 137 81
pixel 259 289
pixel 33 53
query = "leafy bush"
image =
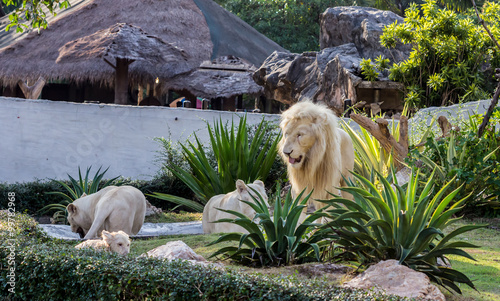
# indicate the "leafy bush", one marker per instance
pixel 401 224
pixel 30 196
pixel 447 62
pixel 370 71
pixel 291 24
pixel 54 271
pixel 273 239
pixel 473 161
pixel 236 157
pixel 19 229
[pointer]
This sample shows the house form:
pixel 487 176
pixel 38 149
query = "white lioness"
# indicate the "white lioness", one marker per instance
pixel 111 208
pixel 116 242
pixel 316 151
pixel 231 201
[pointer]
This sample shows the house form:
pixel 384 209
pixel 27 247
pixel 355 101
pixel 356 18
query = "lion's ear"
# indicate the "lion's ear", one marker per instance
pixel 71 208
pixel 84 194
pixel 240 186
pixel 107 235
pixel 259 182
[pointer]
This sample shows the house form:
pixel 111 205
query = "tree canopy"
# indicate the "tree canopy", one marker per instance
pixel 30 13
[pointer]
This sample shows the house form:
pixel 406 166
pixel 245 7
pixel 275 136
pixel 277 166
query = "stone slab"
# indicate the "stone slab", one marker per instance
pixel 147 230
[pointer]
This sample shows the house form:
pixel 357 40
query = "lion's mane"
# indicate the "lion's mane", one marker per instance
pixel 322 167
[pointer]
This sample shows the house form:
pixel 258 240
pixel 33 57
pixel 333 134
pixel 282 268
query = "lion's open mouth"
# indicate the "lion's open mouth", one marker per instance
pixel 293 160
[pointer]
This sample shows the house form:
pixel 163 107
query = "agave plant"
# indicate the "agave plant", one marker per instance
pixel 236 156
pixel 401 224
pixel 273 239
pixel 75 191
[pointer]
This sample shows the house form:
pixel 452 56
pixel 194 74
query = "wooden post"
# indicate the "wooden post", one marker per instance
pixel 121 81
pixel 379 130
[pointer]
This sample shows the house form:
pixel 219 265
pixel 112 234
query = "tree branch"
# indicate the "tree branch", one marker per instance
pixel 484 25
pixel 494 100
pixel 380 131
pixel 32 92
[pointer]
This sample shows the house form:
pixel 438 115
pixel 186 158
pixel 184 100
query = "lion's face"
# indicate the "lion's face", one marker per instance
pixel 298 139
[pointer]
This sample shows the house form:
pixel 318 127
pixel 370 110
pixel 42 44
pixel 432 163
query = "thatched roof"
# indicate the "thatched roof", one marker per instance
pixel 126 42
pixel 123 41
pixel 180 22
pixel 224 77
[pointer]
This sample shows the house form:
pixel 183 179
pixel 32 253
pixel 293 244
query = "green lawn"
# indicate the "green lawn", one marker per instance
pixel 485 271
pixel 196 242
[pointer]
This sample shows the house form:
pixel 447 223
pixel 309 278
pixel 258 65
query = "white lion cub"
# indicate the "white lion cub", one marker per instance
pixel 116 242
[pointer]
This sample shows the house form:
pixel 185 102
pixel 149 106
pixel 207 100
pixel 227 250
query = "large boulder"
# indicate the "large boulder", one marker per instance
pixel 362 26
pixel 395 279
pixel 348 34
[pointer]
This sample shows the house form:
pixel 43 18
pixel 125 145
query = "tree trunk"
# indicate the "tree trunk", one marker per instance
pixel 32 92
pixel 380 131
pixel 494 102
pixel 2 13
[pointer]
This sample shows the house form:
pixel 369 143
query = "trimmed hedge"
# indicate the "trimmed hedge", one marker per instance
pixel 52 270
pixel 32 196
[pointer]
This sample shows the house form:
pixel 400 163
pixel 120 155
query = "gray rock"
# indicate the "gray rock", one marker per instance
pixel 395 279
pixel 173 250
pixel 348 34
pixel 362 26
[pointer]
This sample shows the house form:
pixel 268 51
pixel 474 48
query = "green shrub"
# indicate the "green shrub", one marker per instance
pixel 473 161
pixel 51 270
pixel 273 239
pixel 449 53
pixel 236 157
pixel 31 196
pixel 370 71
pixel 292 24
pixel 401 224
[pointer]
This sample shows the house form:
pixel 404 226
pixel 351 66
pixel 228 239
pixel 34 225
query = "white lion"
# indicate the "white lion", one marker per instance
pixel 111 208
pixel 231 201
pixel 116 242
pixel 316 151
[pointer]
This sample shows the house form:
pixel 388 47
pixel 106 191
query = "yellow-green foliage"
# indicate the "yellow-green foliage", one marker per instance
pixel 449 52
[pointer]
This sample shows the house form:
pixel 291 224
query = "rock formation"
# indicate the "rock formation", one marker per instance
pixel 348 34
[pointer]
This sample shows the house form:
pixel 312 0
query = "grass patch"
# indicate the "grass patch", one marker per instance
pixel 174 217
pixel 485 271
pixel 196 242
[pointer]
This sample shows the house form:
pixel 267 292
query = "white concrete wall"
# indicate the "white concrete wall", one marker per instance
pixel 47 139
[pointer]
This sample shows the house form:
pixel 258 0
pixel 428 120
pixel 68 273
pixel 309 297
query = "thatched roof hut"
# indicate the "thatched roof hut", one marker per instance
pixel 120 46
pixel 201 28
pixel 224 77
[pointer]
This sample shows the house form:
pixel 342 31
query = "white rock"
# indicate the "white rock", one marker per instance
pixel 177 250
pixel 395 279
